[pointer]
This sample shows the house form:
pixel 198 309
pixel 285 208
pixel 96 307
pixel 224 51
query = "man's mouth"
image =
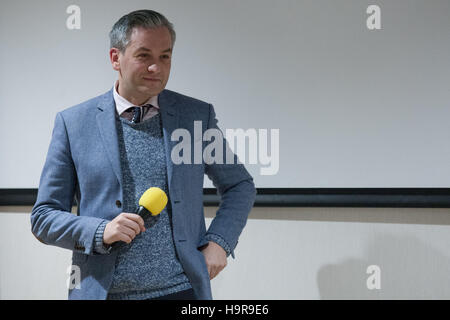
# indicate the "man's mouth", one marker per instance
pixel 153 79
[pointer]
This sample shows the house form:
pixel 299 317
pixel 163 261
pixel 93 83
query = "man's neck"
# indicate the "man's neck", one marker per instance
pixel 135 99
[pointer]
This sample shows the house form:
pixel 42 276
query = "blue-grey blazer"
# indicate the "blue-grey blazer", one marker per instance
pixel 83 163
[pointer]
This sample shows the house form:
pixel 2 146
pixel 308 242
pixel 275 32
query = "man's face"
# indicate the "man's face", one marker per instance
pixel 144 67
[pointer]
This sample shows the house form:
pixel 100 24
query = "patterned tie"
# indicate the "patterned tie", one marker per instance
pixel 137 113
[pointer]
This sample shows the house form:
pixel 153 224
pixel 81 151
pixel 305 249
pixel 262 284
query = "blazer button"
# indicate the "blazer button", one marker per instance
pixel 118 203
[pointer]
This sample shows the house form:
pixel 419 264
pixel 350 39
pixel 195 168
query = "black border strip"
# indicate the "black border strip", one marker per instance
pixel 301 197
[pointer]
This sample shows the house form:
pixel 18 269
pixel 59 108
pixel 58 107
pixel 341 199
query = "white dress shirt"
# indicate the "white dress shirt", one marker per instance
pixel 123 104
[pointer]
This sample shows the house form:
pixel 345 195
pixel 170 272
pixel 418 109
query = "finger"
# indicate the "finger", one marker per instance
pixel 127 231
pixel 136 218
pixel 209 272
pixel 215 270
pixel 218 269
pixel 213 273
pixel 125 238
pixel 132 225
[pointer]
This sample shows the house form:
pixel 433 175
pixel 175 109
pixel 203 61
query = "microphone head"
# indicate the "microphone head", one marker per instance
pixel 154 200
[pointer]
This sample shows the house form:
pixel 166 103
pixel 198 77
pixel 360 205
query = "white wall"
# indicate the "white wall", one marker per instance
pixel 283 253
pixel 355 108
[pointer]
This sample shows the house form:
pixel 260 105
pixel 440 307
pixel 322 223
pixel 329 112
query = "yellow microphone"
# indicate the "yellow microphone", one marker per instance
pixel 151 203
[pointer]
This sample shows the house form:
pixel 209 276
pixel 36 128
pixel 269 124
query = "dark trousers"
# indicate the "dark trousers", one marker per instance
pixel 181 295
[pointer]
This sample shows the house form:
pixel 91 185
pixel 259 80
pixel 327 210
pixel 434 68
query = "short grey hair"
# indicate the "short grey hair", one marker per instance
pixel 121 31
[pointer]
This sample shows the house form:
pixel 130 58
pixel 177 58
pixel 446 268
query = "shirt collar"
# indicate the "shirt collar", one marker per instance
pixel 123 104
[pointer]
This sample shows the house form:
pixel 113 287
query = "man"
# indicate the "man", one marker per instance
pixel 108 150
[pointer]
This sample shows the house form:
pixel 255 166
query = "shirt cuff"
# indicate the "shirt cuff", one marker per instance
pixel 220 241
pixel 99 246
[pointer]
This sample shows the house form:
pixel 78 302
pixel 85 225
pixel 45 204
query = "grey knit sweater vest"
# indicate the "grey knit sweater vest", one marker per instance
pixel 148 267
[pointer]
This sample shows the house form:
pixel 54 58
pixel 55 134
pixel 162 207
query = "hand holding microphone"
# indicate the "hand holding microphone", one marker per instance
pixel 126 226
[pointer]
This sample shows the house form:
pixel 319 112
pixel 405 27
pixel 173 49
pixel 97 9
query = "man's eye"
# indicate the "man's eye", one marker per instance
pixel 165 57
pixel 143 55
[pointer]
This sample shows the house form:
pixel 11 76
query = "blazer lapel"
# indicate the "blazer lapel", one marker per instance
pixel 106 121
pixel 170 120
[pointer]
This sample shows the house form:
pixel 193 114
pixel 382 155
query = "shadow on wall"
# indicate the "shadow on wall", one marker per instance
pixel 409 269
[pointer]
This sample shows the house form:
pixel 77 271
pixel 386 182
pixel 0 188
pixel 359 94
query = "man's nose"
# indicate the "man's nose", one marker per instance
pixel 153 68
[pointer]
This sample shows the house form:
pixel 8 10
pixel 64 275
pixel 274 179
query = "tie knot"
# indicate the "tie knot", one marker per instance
pixel 138 112
pixel 143 107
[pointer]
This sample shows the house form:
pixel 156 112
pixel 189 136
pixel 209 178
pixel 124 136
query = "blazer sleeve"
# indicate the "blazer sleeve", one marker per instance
pixel 237 190
pixel 52 222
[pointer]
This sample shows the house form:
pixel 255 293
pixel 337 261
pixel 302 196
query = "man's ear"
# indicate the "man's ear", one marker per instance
pixel 114 56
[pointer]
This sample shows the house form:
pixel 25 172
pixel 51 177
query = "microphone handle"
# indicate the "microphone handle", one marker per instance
pixel 144 214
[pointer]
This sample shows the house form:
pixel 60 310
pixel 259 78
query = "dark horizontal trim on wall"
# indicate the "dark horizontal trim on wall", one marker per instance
pixel 346 197
pixel 18 197
pixel 301 197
